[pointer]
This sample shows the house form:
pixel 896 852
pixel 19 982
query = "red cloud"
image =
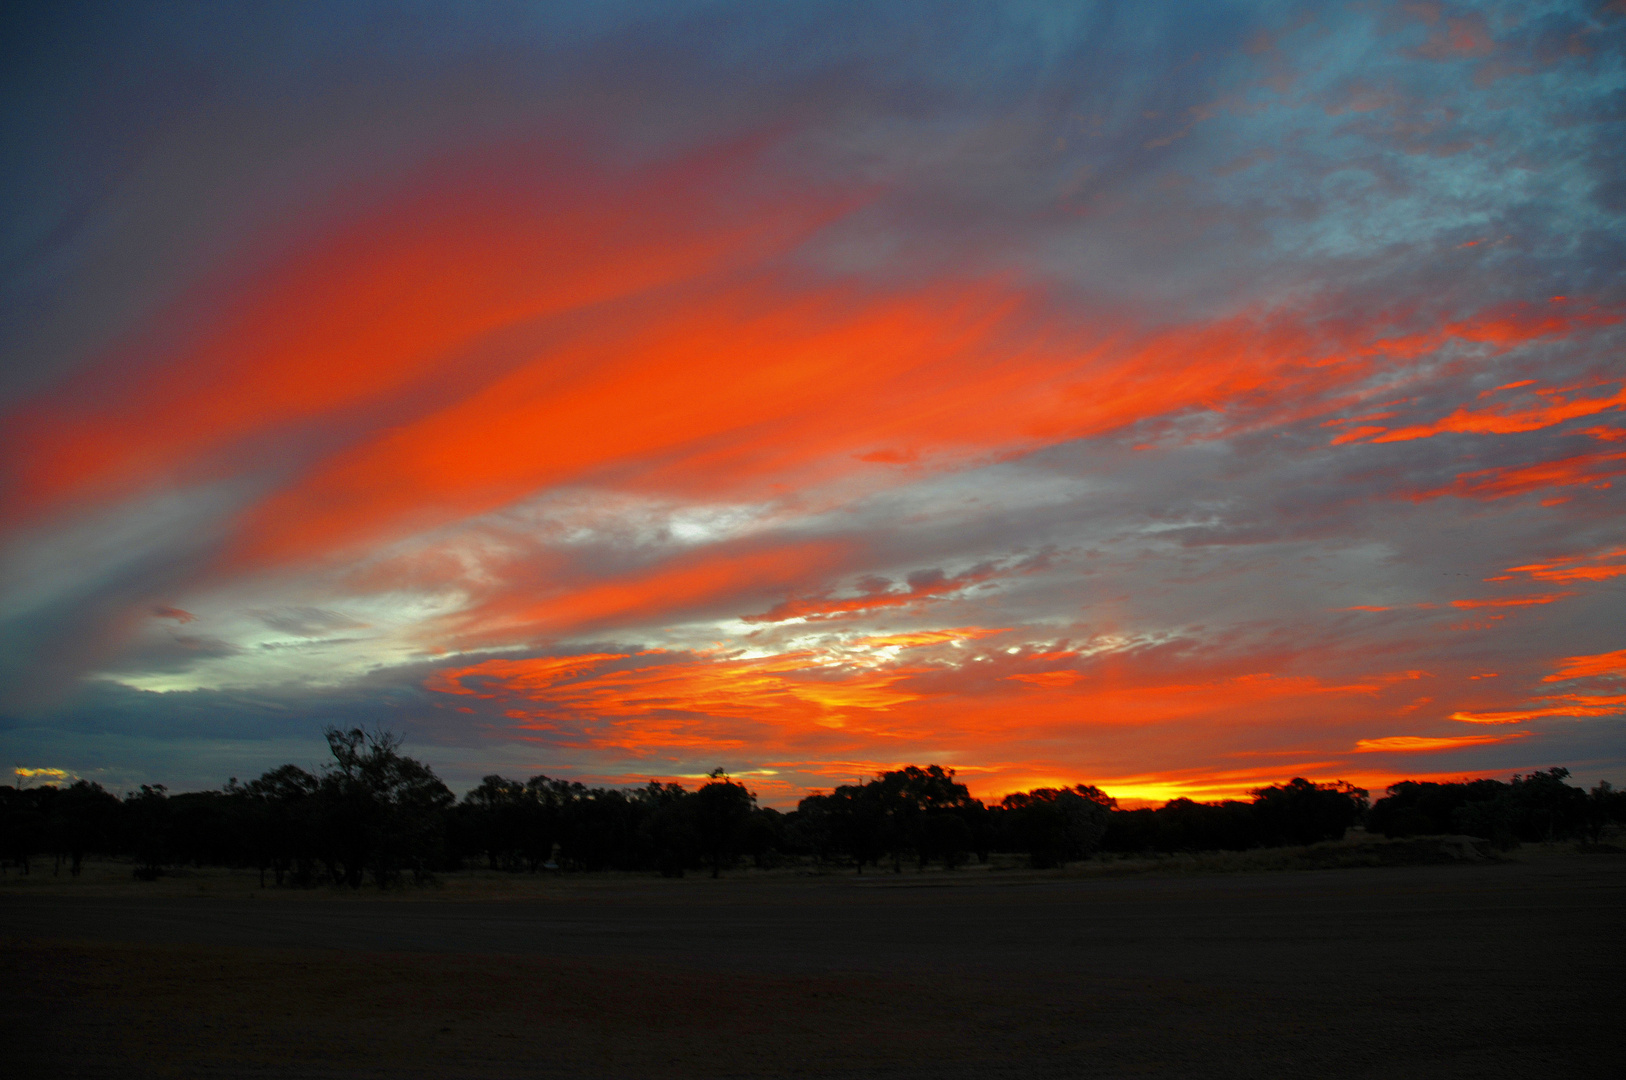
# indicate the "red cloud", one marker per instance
pixel 1585 667
pixel 922 638
pixel 1602 665
pixel 506 327
pixel 1048 678
pixel 1422 744
pixel 1594 469
pixel 659 396
pixel 922 586
pixel 635 707
pixel 695 581
pixel 1573 568
pixel 1576 705
pixel 1511 601
pixel 393 309
pixel 1038 714
pixel 1555 409
pixel 515 676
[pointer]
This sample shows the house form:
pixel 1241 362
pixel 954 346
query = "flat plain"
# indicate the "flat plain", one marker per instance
pixel 1508 968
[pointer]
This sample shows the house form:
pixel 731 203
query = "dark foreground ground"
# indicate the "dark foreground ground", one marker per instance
pixel 1505 969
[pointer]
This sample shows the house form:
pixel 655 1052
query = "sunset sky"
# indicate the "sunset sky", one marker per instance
pixel 1171 397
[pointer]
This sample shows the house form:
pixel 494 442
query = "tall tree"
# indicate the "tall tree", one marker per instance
pixel 388 810
pixel 1055 825
pixel 722 812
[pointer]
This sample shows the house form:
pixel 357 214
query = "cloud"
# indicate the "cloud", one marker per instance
pixel 922 586
pixel 1427 744
pixel 921 638
pixel 1554 409
pixel 1581 470
pixel 682 587
pixel 1610 664
pixel 1577 705
pixel 1057 393
pixel 1512 601
pixel 1601 666
pixel 23 772
pixel 1598 566
pixel 307 621
pixel 373 315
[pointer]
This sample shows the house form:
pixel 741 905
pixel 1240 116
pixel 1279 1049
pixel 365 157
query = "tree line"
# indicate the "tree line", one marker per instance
pixel 374 815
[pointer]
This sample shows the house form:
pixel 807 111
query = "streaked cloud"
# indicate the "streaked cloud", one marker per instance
pixel 1176 400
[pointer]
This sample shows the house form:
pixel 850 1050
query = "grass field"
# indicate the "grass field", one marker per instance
pixel 1476 969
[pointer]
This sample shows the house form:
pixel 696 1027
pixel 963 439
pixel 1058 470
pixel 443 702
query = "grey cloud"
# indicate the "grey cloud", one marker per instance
pixel 171 654
pixel 306 621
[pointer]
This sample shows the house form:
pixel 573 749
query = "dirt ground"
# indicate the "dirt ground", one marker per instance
pixel 1475 970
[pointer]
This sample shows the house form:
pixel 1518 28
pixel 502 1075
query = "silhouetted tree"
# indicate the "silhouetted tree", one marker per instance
pixel 1545 808
pixel 386 811
pixel 87 820
pixel 1055 825
pixel 208 826
pixel 722 810
pixel 284 824
pixel 1604 807
pixel 558 810
pixel 811 828
pixel 497 814
pixel 1426 808
pixel 146 815
pixel 1535 807
pixel 1301 812
pixel 764 836
pixel 668 829
pixel 925 809
pixel 374 811
pixel 23 824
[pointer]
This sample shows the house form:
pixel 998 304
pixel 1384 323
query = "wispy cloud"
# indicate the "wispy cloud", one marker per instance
pixel 1099 392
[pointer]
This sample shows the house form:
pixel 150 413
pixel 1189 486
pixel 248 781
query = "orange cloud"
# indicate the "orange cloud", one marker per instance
pixel 516 676
pixel 1048 678
pixel 1416 744
pixel 398 304
pixel 796 689
pixel 693 582
pixel 1610 664
pixel 926 637
pixel 835 711
pixel 507 326
pixel 1554 409
pixel 921 587
pixel 1511 601
pixel 1596 567
pixel 747 390
pixel 1500 483
pixel 1602 665
pixel 1578 705
pixel 823 704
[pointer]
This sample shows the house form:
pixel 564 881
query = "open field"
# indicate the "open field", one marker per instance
pixel 1483 969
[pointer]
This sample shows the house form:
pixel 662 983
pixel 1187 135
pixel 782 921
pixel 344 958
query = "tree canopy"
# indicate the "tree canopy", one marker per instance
pixel 374 814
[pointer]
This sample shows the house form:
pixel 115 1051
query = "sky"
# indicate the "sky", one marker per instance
pixel 1176 398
